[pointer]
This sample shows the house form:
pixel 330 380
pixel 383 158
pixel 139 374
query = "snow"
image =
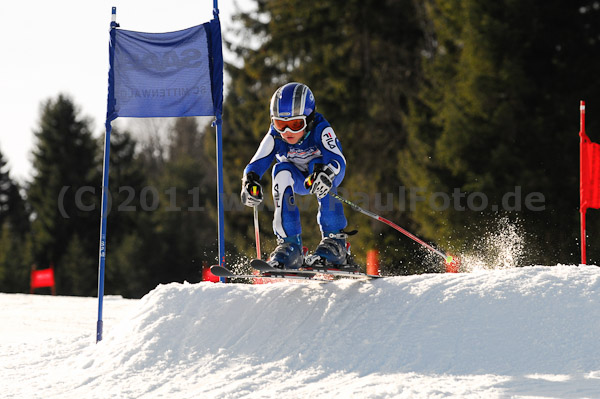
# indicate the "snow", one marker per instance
pixel 528 332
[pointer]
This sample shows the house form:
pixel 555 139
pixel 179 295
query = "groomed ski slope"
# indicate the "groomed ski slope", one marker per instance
pixel 531 332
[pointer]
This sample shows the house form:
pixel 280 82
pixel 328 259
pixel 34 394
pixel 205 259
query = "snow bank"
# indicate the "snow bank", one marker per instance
pixel 500 333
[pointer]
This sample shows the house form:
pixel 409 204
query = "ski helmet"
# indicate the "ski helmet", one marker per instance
pixel 293 99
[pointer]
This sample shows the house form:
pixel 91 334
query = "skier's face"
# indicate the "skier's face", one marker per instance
pixel 290 128
pixel 292 138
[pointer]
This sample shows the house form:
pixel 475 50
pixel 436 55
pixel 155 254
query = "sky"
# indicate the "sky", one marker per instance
pixel 62 47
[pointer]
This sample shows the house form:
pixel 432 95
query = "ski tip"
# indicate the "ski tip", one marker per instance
pixel 258 262
pixel 220 271
pixel 261 265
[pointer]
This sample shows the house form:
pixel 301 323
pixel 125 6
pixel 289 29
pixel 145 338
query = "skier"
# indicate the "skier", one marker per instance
pixel 309 160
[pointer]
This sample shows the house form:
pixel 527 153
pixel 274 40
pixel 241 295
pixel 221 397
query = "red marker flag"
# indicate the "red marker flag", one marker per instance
pixel 43 278
pixel 590 169
pixel 589 174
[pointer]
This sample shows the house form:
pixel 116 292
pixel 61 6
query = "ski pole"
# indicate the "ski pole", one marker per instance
pixel 256 191
pixel 257 232
pixel 448 258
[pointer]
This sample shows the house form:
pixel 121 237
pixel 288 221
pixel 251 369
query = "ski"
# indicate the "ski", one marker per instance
pixel 267 270
pixel 220 271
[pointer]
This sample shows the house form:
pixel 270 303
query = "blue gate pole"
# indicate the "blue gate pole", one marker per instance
pixel 218 123
pixel 103 216
pixel 104 210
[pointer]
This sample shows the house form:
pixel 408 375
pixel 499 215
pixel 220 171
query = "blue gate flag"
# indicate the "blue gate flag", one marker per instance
pixel 153 75
pixel 169 74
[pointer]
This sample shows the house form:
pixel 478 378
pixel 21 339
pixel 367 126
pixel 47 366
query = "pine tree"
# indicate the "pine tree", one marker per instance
pixel 188 227
pixel 15 261
pixel 5 187
pixel 162 226
pixel 65 160
pixel 13 208
pixel 125 269
pixel 14 237
pixel 501 81
pixel 360 59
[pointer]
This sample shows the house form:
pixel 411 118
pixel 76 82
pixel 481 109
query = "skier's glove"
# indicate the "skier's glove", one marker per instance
pixel 320 181
pixel 252 193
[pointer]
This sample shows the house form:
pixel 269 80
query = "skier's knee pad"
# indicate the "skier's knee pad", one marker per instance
pixel 282 179
pixel 288 174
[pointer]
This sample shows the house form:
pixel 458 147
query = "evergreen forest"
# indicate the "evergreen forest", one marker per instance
pixel 453 116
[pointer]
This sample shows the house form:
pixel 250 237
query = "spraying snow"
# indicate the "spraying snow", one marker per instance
pixel 513 332
pixel 501 248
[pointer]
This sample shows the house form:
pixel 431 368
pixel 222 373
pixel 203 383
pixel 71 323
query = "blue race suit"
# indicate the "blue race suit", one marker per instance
pixel 295 162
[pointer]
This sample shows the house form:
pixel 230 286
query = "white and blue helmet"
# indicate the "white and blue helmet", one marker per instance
pixel 293 99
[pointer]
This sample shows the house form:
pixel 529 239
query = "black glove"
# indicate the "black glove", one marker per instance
pixel 320 181
pixel 252 193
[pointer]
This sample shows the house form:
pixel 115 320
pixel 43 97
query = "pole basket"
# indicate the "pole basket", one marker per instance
pixel 452 264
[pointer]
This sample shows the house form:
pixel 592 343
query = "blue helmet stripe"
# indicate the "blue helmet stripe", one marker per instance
pixel 297 102
pixel 286 106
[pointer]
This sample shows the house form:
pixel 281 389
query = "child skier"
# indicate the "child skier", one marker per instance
pixel 309 161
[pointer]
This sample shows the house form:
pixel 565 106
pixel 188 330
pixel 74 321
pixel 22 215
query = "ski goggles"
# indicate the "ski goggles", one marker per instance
pixel 293 124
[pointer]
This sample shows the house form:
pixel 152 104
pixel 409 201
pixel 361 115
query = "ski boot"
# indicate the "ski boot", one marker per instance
pixel 288 254
pixel 333 252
